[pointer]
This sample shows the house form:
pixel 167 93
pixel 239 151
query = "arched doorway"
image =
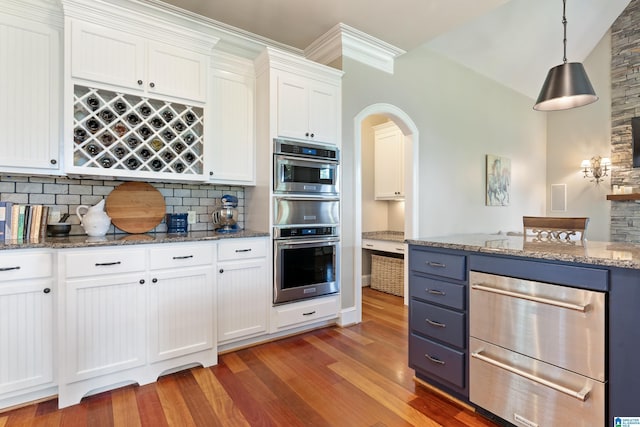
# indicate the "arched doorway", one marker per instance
pixel 411 139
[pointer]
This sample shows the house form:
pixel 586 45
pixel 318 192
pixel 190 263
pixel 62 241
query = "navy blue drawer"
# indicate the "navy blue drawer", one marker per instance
pixel 439 264
pixel 439 323
pixel 436 291
pixel 437 359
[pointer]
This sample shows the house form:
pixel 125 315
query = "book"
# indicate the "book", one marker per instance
pixel 8 221
pixel 44 219
pixel 15 214
pixel 34 227
pixel 20 231
pixel 27 222
pixel 3 218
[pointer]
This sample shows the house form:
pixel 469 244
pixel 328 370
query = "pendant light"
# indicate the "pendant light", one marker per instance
pixel 567 85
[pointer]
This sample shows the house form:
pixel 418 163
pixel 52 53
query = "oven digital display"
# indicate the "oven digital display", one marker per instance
pixel 309 231
pixel 309 151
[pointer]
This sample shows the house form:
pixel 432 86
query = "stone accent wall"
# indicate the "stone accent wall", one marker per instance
pixel 625 104
pixel 66 194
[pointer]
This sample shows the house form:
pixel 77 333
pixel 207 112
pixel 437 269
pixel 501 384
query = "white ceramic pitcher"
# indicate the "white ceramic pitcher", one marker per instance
pixel 95 220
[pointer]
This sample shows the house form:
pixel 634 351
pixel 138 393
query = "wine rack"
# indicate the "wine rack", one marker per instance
pixel 120 131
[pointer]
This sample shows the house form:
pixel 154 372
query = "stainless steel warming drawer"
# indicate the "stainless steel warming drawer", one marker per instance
pixel 537 351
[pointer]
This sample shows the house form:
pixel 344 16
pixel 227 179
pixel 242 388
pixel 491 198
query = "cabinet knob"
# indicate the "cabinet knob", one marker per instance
pixel 306 134
pixel 154 280
pixel 53 161
pixel 46 290
pixel 142 281
pixel 221 270
pixel 152 84
pixel 210 173
pixel 312 135
pixel 140 82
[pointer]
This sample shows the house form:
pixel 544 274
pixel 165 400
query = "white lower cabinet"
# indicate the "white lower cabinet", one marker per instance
pixel 244 289
pixel 119 327
pixel 26 326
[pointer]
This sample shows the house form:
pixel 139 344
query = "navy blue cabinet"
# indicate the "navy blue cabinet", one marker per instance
pixel 438 318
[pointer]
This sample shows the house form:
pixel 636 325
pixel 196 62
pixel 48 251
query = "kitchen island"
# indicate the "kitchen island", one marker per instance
pixel 442 273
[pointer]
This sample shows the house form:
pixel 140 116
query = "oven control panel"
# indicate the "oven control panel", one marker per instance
pixel 287 233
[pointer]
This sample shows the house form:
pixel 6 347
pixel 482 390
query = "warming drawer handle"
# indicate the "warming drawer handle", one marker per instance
pixel 581 395
pixel 436 264
pixel 562 304
pixel 17 267
pixel 437 324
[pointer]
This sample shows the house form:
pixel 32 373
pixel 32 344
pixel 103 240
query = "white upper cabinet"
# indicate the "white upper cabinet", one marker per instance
pixel 389 162
pixel 30 89
pixel 307 108
pixel 230 121
pixel 114 57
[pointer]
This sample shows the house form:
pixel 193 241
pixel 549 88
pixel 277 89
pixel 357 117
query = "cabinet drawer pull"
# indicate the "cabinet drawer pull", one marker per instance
pixel 309 313
pixel 17 267
pixel 46 290
pixel 435 292
pixel 437 324
pixel 243 250
pixel 436 264
pixel 183 257
pixel 369 245
pixel 400 249
pixel 105 264
pixel 435 359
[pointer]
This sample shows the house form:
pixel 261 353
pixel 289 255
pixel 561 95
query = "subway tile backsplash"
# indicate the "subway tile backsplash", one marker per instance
pixel 66 194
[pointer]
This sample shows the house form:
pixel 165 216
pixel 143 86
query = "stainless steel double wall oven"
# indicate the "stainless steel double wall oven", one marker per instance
pixel 306 225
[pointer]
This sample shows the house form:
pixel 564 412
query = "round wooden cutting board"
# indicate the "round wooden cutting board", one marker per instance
pixel 135 207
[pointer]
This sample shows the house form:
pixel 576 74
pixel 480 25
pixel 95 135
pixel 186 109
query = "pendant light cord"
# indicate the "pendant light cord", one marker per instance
pixel 564 24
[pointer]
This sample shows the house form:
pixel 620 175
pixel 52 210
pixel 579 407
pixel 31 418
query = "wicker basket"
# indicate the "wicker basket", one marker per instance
pixel 387 274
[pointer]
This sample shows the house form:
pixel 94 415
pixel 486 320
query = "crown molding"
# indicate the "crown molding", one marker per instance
pixel 343 40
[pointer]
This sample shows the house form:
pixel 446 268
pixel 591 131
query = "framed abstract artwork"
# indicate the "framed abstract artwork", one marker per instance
pixel 498 181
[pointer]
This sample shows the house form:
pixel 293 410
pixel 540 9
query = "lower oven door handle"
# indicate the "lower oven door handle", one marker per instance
pixel 562 304
pixel 581 395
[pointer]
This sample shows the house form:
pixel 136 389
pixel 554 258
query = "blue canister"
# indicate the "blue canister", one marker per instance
pixel 176 223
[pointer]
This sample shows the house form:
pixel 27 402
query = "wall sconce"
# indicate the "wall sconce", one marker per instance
pixel 596 168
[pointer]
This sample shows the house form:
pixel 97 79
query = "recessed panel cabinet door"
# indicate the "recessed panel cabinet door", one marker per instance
pixel 323 112
pixel 107 56
pixel 230 128
pixel 177 72
pixel 26 335
pixel 181 312
pixel 243 298
pixel 30 95
pixel 293 107
pixel 104 326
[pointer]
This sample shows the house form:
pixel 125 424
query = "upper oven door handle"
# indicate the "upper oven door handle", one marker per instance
pixel 302 161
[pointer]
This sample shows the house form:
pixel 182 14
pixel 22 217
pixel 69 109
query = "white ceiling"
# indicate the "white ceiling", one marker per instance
pixel 514 42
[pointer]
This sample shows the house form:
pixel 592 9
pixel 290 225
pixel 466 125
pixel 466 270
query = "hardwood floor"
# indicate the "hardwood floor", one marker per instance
pixel 355 376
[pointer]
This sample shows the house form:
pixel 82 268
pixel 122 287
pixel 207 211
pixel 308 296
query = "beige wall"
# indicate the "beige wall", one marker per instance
pixel 578 134
pixel 461 116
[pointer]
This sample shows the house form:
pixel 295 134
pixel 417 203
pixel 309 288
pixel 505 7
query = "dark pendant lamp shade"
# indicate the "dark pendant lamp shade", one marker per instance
pixel 566 86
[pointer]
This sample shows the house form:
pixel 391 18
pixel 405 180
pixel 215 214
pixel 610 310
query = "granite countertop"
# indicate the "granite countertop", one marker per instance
pixel 121 239
pixel 610 254
pixel 391 236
